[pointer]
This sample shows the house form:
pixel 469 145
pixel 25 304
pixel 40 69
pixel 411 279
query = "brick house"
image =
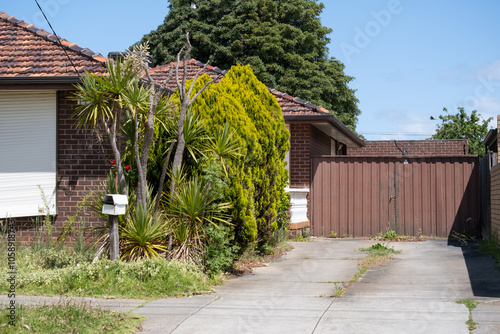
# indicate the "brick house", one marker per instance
pixel 313 131
pixel 39 145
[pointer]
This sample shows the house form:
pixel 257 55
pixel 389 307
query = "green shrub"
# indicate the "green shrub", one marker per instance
pixel 220 252
pixel 258 178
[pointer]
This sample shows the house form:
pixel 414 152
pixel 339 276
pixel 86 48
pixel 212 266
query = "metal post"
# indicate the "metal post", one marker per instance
pixel 114 249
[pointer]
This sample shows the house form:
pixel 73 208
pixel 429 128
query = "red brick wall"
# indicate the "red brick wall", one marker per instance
pixel 305 141
pixel 424 148
pixel 82 164
pixel 300 164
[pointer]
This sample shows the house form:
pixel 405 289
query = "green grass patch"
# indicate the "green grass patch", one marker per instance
pixel 49 271
pixel 471 305
pixel 152 278
pixel 69 318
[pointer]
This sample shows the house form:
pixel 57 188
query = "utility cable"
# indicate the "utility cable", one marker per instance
pixel 58 40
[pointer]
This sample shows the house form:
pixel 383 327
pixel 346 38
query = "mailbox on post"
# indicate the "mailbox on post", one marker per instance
pixel 114 205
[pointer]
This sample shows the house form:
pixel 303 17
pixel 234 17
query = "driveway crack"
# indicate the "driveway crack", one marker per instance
pixel 192 314
pixel 322 315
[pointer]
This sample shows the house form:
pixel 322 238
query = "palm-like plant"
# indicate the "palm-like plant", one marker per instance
pixel 144 234
pixel 102 106
pixel 192 206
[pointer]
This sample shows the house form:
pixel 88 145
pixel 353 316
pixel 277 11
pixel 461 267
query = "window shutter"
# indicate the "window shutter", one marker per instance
pixel 27 153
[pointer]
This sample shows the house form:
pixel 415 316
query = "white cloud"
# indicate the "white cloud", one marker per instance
pixel 491 69
pixel 489 107
pixel 458 74
pixel 402 125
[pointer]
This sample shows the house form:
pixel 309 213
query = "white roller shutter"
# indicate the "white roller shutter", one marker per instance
pixel 27 152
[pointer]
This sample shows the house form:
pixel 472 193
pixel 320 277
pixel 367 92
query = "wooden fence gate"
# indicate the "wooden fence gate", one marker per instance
pixel 363 196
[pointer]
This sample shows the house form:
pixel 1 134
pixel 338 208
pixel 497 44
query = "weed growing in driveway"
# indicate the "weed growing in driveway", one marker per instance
pixel 300 238
pixel 379 254
pixel 340 289
pixel 491 246
pixel 380 250
pixel 471 305
pixel 391 234
pixel 70 318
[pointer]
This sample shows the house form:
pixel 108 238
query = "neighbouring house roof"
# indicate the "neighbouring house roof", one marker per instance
pixel 32 55
pixel 491 139
pixel 293 108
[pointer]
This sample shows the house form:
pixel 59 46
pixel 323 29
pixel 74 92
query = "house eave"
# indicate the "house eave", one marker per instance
pixel 56 82
pixel 330 125
pixel 490 137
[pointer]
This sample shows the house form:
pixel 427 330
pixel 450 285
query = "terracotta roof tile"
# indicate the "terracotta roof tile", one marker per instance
pixel 290 105
pixel 26 51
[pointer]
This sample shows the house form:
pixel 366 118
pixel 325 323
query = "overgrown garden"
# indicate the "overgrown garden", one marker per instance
pixel 189 218
pixel 203 168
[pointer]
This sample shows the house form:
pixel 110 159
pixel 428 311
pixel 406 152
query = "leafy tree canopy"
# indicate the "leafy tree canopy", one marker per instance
pixel 464 126
pixel 283 41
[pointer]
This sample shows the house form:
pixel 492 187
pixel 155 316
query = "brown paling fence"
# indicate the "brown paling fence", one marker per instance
pixel 362 196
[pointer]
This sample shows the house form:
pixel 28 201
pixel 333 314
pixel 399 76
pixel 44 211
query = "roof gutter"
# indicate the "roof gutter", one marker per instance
pixel 322 118
pixel 38 80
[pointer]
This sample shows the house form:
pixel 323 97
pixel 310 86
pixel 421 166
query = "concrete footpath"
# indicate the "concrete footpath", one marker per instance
pixel 416 293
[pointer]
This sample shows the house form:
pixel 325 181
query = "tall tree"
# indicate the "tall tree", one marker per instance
pixel 283 41
pixel 464 126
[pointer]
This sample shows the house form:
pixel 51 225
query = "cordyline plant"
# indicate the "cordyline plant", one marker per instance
pixel 128 92
pixel 123 94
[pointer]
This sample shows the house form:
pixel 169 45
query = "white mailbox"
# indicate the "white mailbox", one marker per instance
pixel 114 204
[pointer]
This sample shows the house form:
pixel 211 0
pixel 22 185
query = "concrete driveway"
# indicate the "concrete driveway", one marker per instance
pixel 416 293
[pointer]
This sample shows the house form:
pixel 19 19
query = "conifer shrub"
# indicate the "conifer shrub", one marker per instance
pixel 258 177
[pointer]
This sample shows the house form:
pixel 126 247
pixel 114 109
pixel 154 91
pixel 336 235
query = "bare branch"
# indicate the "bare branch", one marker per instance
pixel 199 92
pixel 179 86
pixel 193 82
pixel 162 178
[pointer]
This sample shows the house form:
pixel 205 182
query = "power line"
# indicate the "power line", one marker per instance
pixel 58 40
pixel 395 133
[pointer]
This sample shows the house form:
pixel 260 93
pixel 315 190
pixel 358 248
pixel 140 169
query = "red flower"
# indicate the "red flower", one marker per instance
pixel 127 167
pixel 135 184
pixel 113 162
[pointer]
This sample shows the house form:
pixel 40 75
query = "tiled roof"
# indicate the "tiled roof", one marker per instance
pixel 160 72
pixel 289 105
pixel 26 51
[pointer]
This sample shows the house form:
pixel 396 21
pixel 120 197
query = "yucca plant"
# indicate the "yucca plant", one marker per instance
pixel 192 206
pixel 144 234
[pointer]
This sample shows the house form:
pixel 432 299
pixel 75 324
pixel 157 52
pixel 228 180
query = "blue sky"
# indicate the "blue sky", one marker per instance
pixel 410 58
